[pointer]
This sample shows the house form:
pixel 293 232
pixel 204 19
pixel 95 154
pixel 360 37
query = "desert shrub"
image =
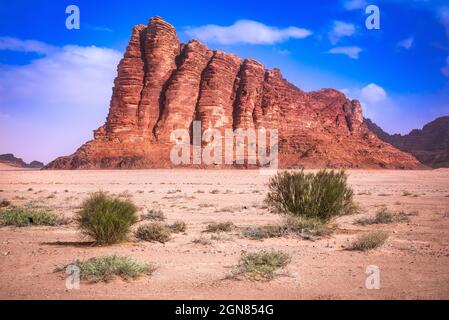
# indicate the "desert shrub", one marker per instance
pixel 153 214
pixel 202 240
pixel 264 232
pixel 105 268
pixel 220 226
pixel 369 241
pixel 178 226
pixel 322 196
pixel 262 265
pixel 106 219
pixel 383 216
pixel 154 232
pixel 4 203
pixel 307 228
pixel 21 217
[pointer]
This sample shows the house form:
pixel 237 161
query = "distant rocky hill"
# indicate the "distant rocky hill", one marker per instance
pixel 163 85
pixel 11 160
pixel 430 145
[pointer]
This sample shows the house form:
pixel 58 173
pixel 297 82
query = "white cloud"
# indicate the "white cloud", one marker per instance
pixel 351 52
pixel 355 4
pixel 340 30
pixel 14 44
pixel 372 94
pixel 445 69
pixel 406 43
pixel 55 101
pixel 246 32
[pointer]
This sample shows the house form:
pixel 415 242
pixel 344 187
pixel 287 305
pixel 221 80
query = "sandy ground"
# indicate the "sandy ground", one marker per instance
pixel 414 263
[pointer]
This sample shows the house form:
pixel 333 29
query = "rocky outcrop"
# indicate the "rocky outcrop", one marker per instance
pixel 163 85
pixel 10 160
pixel 430 145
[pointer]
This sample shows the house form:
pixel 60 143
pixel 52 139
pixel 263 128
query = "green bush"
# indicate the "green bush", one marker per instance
pixel 21 217
pixel 369 241
pixel 153 232
pixel 105 268
pixel 383 216
pixel 322 196
pixel 106 219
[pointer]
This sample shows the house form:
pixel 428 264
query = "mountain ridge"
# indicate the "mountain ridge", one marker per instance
pixel 163 85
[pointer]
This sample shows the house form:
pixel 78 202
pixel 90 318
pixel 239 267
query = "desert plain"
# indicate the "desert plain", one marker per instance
pixel 413 263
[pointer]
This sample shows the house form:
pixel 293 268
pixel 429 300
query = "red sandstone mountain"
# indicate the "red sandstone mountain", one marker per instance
pixel 163 85
pixel 430 145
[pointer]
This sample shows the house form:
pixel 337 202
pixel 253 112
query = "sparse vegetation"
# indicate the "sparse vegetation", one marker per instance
pixel 369 241
pixel 262 265
pixel 21 217
pixel 202 240
pixel 154 232
pixel 383 216
pixel 220 226
pixel 154 215
pixel 307 228
pixel 206 205
pixel 4 203
pixel 264 232
pixel 322 196
pixel 106 219
pixel 107 267
pixel 178 227
pixel 215 191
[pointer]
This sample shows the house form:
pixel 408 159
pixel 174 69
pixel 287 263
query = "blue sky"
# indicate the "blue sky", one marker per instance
pixel 55 83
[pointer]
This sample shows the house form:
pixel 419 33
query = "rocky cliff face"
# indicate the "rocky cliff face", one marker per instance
pixel 430 145
pixel 163 85
pixel 12 161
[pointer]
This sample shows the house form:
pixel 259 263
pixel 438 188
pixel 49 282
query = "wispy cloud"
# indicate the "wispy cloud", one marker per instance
pixel 354 4
pixel 101 29
pixel 340 30
pixel 445 69
pixel 443 15
pixel 14 44
pixel 351 52
pixel 282 52
pixel 406 43
pixel 246 32
pixel 49 98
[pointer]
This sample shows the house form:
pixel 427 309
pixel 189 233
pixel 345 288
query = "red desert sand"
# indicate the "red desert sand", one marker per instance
pixel 413 262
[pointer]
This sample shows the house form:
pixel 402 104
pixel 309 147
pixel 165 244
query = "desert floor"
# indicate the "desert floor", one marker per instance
pixel 414 263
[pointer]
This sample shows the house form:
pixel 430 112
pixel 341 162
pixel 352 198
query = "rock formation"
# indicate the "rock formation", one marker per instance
pixel 11 160
pixel 163 85
pixel 430 145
